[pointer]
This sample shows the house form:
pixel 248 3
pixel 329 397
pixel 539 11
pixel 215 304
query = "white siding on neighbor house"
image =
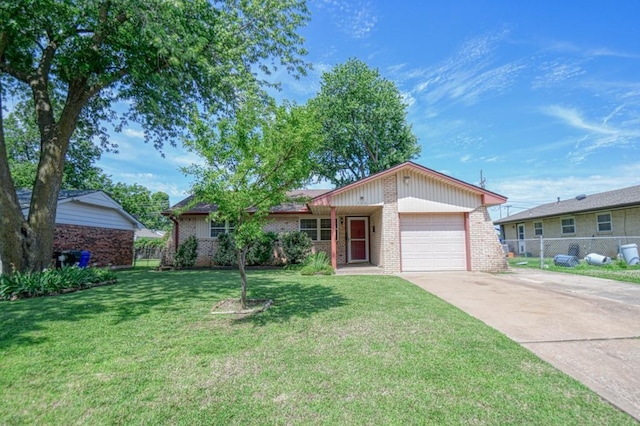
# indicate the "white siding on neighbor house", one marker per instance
pixel 420 193
pixel 75 213
pixel 433 242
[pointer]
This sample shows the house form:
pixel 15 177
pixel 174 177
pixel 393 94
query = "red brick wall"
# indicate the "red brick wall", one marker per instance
pixel 108 247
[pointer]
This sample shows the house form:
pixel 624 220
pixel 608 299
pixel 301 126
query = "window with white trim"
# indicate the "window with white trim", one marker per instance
pixel 568 225
pixel 318 229
pixel 218 228
pixel 604 222
pixel 537 229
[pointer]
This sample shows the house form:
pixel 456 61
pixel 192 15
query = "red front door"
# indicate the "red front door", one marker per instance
pixel 358 241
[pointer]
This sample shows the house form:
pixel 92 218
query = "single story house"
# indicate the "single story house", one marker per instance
pixel 607 214
pixel 406 218
pixel 91 220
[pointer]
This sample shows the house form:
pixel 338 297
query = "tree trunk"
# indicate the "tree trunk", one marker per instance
pixel 27 244
pixel 242 256
pixel 14 230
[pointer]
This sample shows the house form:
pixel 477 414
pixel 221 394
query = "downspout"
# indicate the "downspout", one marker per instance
pixel 176 232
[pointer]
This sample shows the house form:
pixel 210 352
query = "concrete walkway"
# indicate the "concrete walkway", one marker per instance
pixel 587 327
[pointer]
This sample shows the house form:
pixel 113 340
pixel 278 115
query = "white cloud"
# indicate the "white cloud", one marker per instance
pixel 134 133
pixel 186 159
pixel 469 75
pixel 556 72
pixel 573 118
pixel 530 192
pixel 356 18
pixel 597 134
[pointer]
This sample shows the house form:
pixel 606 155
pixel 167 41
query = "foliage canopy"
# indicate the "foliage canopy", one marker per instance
pixel 252 160
pixel 363 123
pixel 123 61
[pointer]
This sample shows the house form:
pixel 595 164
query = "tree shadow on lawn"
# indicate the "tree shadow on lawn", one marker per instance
pixel 292 296
pixel 138 293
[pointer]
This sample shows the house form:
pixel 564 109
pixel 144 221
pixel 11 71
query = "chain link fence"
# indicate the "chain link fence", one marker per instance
pixel 548 248
pixel 148 256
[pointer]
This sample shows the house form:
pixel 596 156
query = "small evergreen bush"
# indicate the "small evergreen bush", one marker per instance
pixel 187 253
pixel 296 246
pixel 261 251
pixel 225 254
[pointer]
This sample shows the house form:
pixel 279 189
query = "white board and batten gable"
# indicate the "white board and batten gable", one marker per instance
pixel 418 190
pixel 89 208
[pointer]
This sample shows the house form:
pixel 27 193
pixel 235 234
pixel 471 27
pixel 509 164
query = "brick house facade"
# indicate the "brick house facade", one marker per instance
pixel 108 247
pixel 406 218
pixel 91 220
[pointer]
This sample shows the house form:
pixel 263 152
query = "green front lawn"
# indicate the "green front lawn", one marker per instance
pixel 331 350
pixel 617 270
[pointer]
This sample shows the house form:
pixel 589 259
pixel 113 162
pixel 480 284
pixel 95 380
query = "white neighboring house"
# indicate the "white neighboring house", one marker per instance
pixel 91 220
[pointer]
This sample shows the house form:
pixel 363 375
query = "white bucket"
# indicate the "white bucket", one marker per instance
pixel 630 253
pixel 597 259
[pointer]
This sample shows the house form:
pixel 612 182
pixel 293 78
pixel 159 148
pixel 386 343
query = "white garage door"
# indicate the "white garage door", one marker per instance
pixel 433 242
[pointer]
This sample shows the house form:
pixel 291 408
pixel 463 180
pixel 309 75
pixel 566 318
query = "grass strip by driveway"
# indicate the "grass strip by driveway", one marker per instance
pixel 331 350
pixel 617 270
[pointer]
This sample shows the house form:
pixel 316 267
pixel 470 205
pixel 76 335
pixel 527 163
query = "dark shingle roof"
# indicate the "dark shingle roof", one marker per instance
pixel 297 204
pixel 24 195
pixel 605 200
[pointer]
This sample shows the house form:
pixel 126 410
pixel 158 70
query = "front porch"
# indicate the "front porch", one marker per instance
pixel 359 269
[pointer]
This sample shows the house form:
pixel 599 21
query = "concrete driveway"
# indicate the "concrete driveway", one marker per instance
pixel 587 327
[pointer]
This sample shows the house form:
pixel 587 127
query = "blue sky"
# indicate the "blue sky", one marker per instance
pixel 542 96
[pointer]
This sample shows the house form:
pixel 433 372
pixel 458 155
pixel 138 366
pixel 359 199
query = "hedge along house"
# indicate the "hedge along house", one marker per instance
pixel 406 218
pixel 91 220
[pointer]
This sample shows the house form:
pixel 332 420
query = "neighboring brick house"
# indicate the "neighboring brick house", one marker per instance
pixel 407 218
pixel 607 214
pixel 91 220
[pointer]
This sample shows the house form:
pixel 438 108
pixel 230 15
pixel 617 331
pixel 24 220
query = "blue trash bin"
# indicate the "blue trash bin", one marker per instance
pixel 85 255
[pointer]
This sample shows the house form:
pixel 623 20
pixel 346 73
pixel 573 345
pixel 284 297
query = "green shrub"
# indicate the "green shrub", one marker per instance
pixel 187 253
pixel 146 242
pixel 225 254
pixel 296 246
pixel 261 251
pixel 50 281
pixel 317 263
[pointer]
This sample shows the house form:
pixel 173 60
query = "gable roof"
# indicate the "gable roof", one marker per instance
pixel 488 198
pixel 82 196
pixel 24 195
pixel 604 200
pixel 298 197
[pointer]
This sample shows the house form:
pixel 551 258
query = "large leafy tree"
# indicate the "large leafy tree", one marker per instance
pixel 363 123
pixel 147 58
pixel 252 160
pixel 22 140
